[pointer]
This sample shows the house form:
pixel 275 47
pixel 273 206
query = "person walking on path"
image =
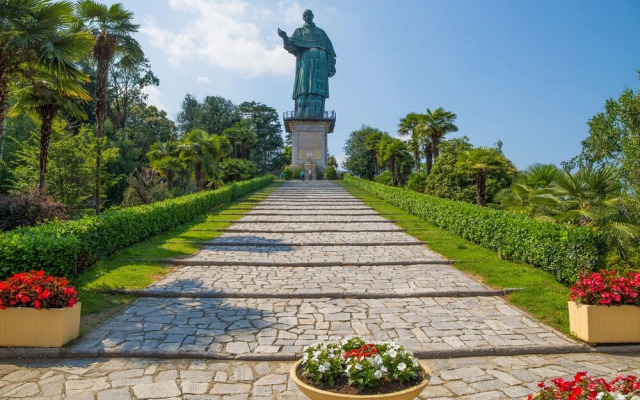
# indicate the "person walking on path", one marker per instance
pixel 302 175
pixel 310 175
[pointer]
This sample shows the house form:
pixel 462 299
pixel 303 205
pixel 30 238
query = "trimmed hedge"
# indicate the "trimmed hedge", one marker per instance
pixel 560 249
pixel 64 248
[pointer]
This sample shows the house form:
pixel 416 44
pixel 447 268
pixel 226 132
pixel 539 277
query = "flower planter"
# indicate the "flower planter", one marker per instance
pixel 318 394
pixel 605 324
pixel 28 327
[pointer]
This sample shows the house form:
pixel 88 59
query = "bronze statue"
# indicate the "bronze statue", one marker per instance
pixel 315 64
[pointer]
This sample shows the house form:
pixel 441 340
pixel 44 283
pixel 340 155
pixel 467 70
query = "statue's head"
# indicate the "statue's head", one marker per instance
pixel 307 16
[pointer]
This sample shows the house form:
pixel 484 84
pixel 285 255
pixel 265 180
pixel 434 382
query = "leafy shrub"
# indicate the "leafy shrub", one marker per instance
pixel 63 248
pixel 235 169
pixel 28 209
pixel 37 290
pixel 565 251
pixel 145 187
pixel 417 181
pixel 287 173
pixel 384 178
pixel 332 174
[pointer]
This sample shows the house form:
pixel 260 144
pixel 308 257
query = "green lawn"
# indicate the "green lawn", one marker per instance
pixel 543 296
pixel 136 267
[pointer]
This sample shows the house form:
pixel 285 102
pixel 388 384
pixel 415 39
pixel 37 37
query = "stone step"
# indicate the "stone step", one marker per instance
pixel 342 255
pixel 312 211
pixel 354 281
pixel 254 263
pixel 218 328
pixel 336 238
pixel 314 227
pixel 301 231
pixel 297 220
pixel 307 218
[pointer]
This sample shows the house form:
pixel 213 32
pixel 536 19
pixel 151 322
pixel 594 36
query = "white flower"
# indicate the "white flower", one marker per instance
pixel 321 369
pixel 415 362
pixel 378 374
pixel 348 368
pixel 327 365
pixel 377 359
pixel 402 366
pixel 358 367
pixel 392 353
pixel 384 369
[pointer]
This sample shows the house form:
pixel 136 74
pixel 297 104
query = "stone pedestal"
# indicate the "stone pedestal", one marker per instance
pixel 309 142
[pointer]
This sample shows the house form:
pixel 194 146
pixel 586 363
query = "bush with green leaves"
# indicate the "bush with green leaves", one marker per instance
pixel 565 251
pixel 65 248
pixel 332 174
pixel 287 173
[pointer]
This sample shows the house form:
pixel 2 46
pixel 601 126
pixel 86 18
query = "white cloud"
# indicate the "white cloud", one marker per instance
pixel 203 79
pixel 154 97
pixel 225 35
pixel 292 11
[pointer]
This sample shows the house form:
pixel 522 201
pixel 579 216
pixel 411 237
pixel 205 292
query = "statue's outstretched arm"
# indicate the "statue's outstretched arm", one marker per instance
pixel 288 46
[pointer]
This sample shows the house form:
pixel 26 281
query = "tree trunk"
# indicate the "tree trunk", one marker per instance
pixel 4 107
pixel 103 52
pixel 199 175
pixel 47 114
pixel 435 144
pixel 416 157
pixel 428 154
pixel 481 187
pixel 170 177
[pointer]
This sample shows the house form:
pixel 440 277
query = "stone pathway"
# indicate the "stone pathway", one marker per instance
pixel 310 263
pixel 477 378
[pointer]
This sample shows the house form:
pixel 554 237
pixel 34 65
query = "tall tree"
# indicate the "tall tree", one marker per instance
pixel 412 125
pixel 128 78
pixel 372 143
pixel 29 33
pixel 438 123
pixel 265 123
pixel 112 28
pixel 393 152
pixel 480 162
pixel 216 114
pixel 358 159
pixel 186 118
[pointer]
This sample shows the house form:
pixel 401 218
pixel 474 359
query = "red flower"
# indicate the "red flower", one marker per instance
pixel 36 289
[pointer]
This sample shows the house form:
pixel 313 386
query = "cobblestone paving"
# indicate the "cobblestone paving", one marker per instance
pixel 303 238
pixel 305 226
pixel 351 280
pixel 241 326
pixel 278 255
pixel 121 379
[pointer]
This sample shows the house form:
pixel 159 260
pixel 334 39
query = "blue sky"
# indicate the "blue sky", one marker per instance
pixel 529 73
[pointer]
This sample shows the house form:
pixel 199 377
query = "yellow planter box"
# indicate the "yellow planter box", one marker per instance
pixel 318 394
pixel 605 324
pixel 28 327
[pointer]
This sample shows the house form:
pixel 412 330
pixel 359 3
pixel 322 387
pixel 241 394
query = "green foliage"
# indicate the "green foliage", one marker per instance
pixel 64 248
pixel 360 161
pixel 332 162
pixel 449 182
pixel 287 173
pixel 479 162
pixel 416 181
pixel 562 250
pixel 384 178
pixel 234 169
pixel 332 174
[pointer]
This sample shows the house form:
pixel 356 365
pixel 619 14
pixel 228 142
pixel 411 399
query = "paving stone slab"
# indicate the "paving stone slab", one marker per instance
pixel 311 218
pixel 462 378
pixel 349 280
pixel 356 237
pixel 285 326
pixel 342 254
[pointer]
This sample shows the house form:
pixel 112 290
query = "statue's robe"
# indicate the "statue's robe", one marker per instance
pixel 315 59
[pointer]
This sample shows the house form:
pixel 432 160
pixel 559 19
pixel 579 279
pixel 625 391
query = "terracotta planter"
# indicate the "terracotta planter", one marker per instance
pixel 318 394
pixel 605 324
pixel 28 327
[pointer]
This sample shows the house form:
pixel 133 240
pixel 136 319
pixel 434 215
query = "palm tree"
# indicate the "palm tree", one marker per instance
pixel 204 151
pixel 411 125
pixel 164 158
pixel 394 153
pixel 438 123
pixel 372 142
pixel 27 32
pixel 112 28
pixel 332 162
pixel 480 162
pixel 531 193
